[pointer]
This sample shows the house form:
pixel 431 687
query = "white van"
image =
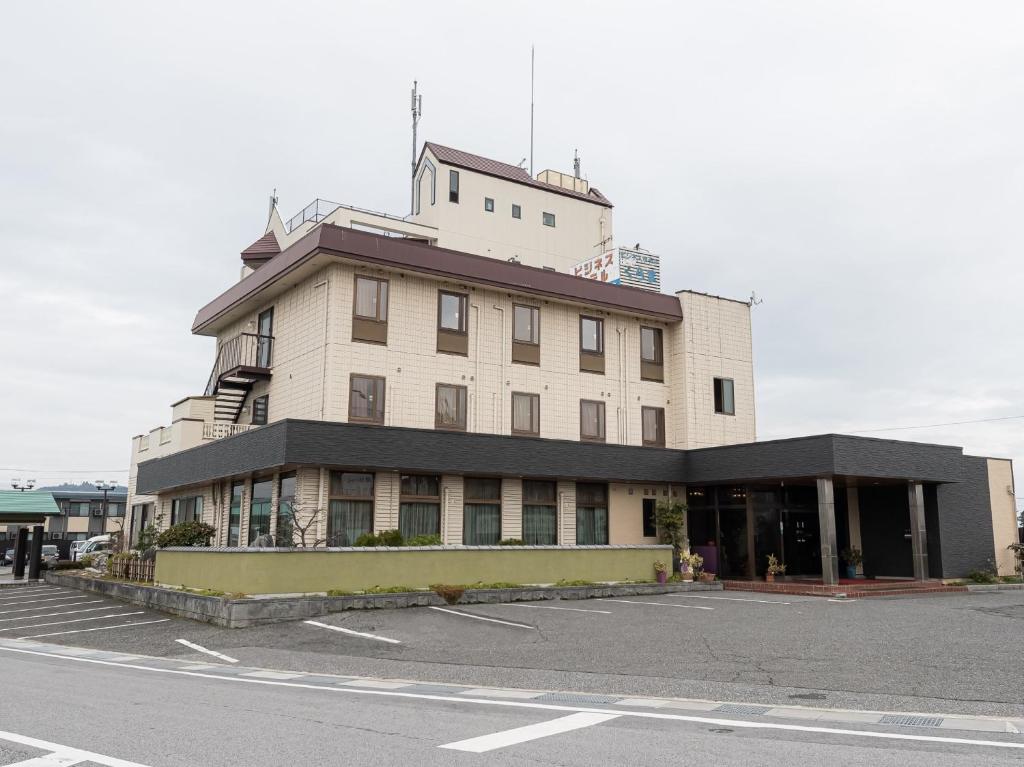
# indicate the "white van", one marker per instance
pixel 81 548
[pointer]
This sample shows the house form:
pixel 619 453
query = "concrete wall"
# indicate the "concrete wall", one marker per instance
pixel 1004 513
pixel 275 571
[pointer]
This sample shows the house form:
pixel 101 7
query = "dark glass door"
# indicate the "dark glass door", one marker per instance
pixel 802 542
pixel 732 525
pixel 265 329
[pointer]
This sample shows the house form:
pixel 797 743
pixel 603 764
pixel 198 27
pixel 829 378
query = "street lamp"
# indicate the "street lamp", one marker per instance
pixel 106 486
pixel 28 484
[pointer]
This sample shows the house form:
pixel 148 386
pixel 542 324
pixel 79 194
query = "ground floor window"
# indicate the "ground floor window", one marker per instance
pixel 81 536
pixel 284 534
pixel 235 513
pixel 591 514
pixel 419 510
pixel 481 516
pixel 350 513
pixel 540 513
pixel 142 515
pixel 259 509
pixel 187 510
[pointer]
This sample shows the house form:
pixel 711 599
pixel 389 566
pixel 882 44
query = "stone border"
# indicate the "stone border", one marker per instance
pixel 257 611
pixel 994 586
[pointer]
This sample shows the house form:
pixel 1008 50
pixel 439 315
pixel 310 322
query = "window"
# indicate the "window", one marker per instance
pixel 371 302
pixel 187 510
pixel 517 212
pixel 115 509
pixel 540 513
pixel 549 219
pixel 450 407
pixel 78 509
pixel 350 510
pixel 526 414
pixel 592 420
pixel 453 186
pixel 650 345
pixel 452 323
pixel 652 421
pixel 592 335
pixel 419 508
pixel 142 514
pixel 235 513
pixel 489 204
pixel 284 534
pixel 650 520
pixel 481 514
pixel 366 399
pixel 259 509
pixel 525 324
pixel 265 338
pixel 591 514
pixel 259 410
pixel 725 402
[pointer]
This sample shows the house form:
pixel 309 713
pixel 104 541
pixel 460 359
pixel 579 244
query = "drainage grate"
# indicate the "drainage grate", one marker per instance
pixel 583 700
pixel 741 708
pixel 911 721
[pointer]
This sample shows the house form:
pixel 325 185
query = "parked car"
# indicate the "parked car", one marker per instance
pixel 96 543
pixel 50 553
pixel 76 546
pixel 8 559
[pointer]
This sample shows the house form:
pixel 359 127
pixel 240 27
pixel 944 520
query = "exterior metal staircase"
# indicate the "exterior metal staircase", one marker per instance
pixel 241 361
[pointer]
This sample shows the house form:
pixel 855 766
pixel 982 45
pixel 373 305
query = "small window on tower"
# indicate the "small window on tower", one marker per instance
pixel 489 204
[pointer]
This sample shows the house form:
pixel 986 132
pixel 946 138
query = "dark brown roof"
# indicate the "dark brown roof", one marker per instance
pixel 454 265
pixel 261 251
pixel 460 159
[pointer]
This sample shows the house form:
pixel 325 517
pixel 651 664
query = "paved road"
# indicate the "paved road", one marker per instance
pixel 954 654
pixel 167 713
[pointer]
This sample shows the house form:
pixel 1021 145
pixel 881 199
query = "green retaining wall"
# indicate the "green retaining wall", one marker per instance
pixel 290 571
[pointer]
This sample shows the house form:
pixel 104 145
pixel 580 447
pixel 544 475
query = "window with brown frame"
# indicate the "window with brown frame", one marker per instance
pixel 366 399
pixel 452 322
pixel 350 507
pixel 725 397
pixel 540 513
pixel 526 414
pixel 591 420
pixel 260 410
pixel 652 355
pixel 652 422
pixel 591 344
pixel 481 511
pixel 370 310
pixel 450 407
pixel 526 334
pixel 419 507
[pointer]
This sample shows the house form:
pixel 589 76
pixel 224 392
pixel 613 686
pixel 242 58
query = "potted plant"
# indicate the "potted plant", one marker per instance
pixel 661 572
pixel 697 566
pixel 853 557
pixel 775 567
pixel 670 517
pixel 685 568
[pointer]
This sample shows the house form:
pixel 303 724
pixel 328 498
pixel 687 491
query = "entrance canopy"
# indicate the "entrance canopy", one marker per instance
pixel 28 508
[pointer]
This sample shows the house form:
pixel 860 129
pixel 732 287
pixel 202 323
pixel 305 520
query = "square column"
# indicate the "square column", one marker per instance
pixel 918 534
pixel 827 531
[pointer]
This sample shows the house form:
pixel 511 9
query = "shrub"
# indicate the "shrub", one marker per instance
pixel 383 538
pixel 87 560
pixel 670 517
pixel 565 582
pixel 186 534
pixel 450 594
pixel 982 576
pixel 390 590
pixel 339 593
pixel 147 538
pixel 66 564
pixel 512 542
pixel 424 540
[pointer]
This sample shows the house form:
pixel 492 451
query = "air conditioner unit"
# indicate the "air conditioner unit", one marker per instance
pixel 97 512
pixel 54 536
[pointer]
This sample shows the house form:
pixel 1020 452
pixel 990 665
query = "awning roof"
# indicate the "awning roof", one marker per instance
pixel 17 507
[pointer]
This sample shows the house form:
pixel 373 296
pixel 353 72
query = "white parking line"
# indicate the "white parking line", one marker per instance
pixel 481 618
pixel 67 612
pixel 659 604
pixel 38 601
pixel 731 599
pixel 62 755
pixel 75 620
pixel 549 607
pixel 529 732
pixel 33 609
pixel 749 724
pixel 100 628
pixel 32 592
pixel 353 633
pixel 200 648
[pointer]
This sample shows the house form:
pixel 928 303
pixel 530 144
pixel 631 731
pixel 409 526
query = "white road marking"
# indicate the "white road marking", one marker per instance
pixel 37 601
pixel 100 628
pixel 547 607
pixel 731 599
pixel 200 648
pixel 529 732
pixel 272 674
pixel 353 633
pixel 32 592
pixel 74 620
pixel 377 684
pixel 62 752
pixel 843 601
pixel 482 618
pixel 33 609
pixel 659 604
pixel 702 720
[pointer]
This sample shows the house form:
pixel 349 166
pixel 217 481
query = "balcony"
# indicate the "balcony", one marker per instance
pixel 241 361
pixel 219 429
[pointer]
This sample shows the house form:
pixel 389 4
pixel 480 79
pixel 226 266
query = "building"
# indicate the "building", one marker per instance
pixel 83 514
pixel 447 374
pixel 23 509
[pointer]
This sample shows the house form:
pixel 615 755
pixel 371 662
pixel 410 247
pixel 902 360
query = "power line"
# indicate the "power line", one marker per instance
pixel 937 425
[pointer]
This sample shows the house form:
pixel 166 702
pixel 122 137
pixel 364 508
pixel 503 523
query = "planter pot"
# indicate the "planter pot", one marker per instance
pixel 687 576
pixel 851 571
pixel 662 577
pixel 769 577
pixel 707 577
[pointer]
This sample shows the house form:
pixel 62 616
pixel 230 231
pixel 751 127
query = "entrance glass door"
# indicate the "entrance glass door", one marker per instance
pixel 264 341
pixel 732 525
pixel 802 542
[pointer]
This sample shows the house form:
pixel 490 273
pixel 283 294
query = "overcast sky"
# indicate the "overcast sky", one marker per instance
pixel 859 165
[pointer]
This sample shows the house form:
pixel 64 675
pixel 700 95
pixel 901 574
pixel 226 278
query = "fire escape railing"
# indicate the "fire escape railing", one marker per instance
pixel 244 350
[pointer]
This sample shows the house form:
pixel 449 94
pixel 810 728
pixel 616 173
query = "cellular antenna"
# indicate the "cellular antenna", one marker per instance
pixel 531 109
pixel 417 110
pixel 576 163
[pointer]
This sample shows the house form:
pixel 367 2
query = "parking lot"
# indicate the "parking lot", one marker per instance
pixel 953 653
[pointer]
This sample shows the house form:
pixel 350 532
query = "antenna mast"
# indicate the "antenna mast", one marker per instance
pixel 531 110
pixel 417 110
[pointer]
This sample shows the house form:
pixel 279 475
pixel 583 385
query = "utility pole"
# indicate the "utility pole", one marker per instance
pixel 106 486
pixel 417 110
pixel 531 110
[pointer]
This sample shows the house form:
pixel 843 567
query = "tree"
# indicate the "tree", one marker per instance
pixel 301 521
pixel 670 517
